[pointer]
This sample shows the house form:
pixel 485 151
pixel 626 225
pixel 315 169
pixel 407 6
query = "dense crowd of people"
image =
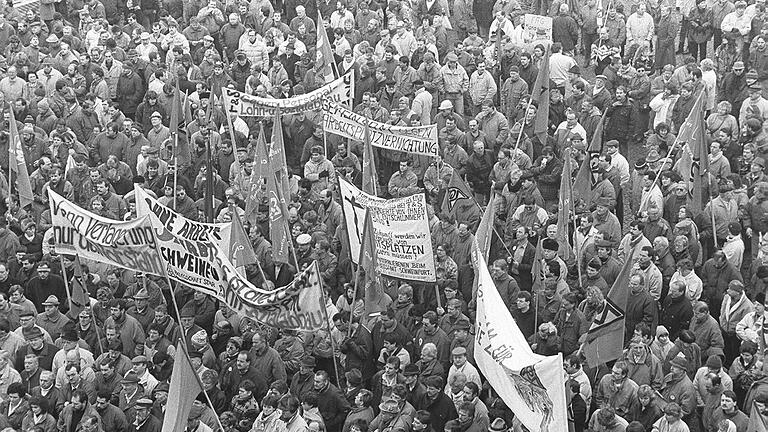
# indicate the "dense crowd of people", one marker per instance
pixel 91 87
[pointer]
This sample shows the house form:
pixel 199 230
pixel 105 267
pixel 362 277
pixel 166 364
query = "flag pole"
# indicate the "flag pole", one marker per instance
pixel 328 325
pixel 711 209
pixel 182 330
pixel 66 282
pixel 291 247
pixel 200 383
pixel 359 264
pixel 522 125
pixel 575 230
pixel 669 155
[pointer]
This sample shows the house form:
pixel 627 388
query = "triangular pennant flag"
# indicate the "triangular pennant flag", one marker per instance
pixel 324 55
pixel 184 387
pixel 605 338
pixel 277 156
pixel 240 248
pixel 259 174
pixel 278 221
pixel 483 236
pixel 456 191
pixel 374 291
pixel 18 165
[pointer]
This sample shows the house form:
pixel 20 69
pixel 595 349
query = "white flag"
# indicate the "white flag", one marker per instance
pixel 533 386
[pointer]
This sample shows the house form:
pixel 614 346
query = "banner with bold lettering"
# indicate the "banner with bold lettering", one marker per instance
pixel 296 306
pixel 401 229
pixel 195 254
pixel 186 246
pixel 130 245
pixel 245 105
pixel 341 121
pixel 533 384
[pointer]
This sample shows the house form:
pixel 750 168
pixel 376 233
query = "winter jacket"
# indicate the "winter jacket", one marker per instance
pixel 708 336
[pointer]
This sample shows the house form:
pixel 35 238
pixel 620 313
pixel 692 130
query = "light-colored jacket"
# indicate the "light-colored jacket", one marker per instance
pixel 731 313
pixel 454 80
pixel 481 87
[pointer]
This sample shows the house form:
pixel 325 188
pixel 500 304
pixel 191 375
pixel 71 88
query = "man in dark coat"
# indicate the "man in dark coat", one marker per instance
pixel 434 400
pixel 358 346
pixel 676 312
pixel 332 404
pixel 641 307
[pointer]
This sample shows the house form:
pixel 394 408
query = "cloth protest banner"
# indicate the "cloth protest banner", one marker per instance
pixel 401 229
pixel 196 254
pixel 186 246
pixel 533 384
pixel 297 306
pixel 343 122
pixel 125 244
pixel 245 105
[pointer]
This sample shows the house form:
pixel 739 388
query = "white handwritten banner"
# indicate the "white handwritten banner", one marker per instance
pixel 401 228
pixel 341 90
pixel 341 121
pixel 195 254
pixel 130 245
pixel 186 246
pixel 297 306
pixel 531 383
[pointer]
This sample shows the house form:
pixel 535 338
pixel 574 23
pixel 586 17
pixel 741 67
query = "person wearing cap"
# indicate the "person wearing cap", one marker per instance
pixel 390 417
pixel 455 82
pixel 446 112
pixel 459 364
pixel 52 320
pixel 712 367
pixel 755 105
pixel 141 369
pixel 145 421
pixel 755 175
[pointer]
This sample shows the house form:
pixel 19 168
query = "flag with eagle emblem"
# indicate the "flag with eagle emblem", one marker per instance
pixel 533 384
pixel 456 192
pixel 605 337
